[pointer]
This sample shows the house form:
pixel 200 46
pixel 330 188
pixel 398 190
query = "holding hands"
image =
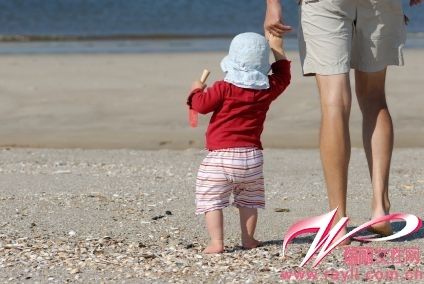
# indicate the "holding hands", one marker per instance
pixel 277 45
pixel 275 42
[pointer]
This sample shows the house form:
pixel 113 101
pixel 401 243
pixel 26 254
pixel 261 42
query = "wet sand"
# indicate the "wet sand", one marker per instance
pixel 138 101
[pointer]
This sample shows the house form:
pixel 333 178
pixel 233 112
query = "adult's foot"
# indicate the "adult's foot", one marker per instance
pixel 341 234
pixel 383 228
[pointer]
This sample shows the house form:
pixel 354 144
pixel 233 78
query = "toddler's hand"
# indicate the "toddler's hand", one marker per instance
pixel 277 46
pixel 197 85
pixel 275 42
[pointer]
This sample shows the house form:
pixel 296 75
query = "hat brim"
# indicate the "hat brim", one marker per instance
pixel 239 76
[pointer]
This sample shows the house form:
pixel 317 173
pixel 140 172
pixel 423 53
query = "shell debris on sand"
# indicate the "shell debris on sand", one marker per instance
pixel 112 220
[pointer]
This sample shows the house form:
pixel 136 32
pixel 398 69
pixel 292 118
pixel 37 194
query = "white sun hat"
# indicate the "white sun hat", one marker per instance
pixel 247 63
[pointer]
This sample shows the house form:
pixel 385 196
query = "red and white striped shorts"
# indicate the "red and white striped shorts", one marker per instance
pixel 234 170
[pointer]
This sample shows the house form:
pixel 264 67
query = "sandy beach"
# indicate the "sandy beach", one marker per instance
pixel 137 101
pixel 98 165
pixel 110 216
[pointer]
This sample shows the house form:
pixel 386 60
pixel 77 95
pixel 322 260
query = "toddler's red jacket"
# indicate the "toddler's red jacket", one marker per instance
pixel 238 113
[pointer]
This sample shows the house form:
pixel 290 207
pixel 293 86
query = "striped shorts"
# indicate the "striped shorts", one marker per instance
pixel 236 171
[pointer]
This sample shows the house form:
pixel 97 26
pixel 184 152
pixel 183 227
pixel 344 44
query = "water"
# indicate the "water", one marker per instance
pixel 147 19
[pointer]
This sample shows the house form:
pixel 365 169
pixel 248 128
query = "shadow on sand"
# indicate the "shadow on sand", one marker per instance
pixel 397 226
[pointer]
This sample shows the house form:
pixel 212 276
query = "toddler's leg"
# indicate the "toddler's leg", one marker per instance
pixel 215 225
pixel 248 220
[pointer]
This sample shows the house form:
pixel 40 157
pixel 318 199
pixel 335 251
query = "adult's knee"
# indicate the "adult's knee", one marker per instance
pixel 334 90
pixel 336 105
pixel 335 114
pixel 370 89
pixel 371 99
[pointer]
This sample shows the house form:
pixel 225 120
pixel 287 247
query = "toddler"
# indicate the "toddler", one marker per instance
pixel 239 104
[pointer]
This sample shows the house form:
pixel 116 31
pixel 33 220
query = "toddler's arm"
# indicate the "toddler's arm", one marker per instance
pixel 205 101
pixel 280 78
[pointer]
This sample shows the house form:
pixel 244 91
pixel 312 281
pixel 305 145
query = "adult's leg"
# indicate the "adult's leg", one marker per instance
pixel 377 134
pixel 335 146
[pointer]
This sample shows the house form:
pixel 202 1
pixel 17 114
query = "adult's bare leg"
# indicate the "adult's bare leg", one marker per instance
pixel 377 134
pixel 336 98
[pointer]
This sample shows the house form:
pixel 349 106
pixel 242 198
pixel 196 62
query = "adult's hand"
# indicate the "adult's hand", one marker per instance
pixel 273 19
pixel 415 2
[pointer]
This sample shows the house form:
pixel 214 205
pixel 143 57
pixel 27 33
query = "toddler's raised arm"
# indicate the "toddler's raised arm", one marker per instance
pixel 281 74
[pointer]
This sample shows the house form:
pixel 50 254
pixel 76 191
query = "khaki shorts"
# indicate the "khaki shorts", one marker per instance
pixel 336 35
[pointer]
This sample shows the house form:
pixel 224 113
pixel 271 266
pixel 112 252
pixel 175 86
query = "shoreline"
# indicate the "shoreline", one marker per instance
pixel 119 37
pixel 125 37
pixel 35 45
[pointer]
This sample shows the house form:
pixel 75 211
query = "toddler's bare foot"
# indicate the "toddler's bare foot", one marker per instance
pixel 214 247
pixel 250 244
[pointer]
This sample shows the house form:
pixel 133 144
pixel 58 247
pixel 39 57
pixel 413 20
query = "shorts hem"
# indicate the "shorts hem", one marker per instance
pixel 248 206
pixel 377 67
pixel 203 211
pixel 325 70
